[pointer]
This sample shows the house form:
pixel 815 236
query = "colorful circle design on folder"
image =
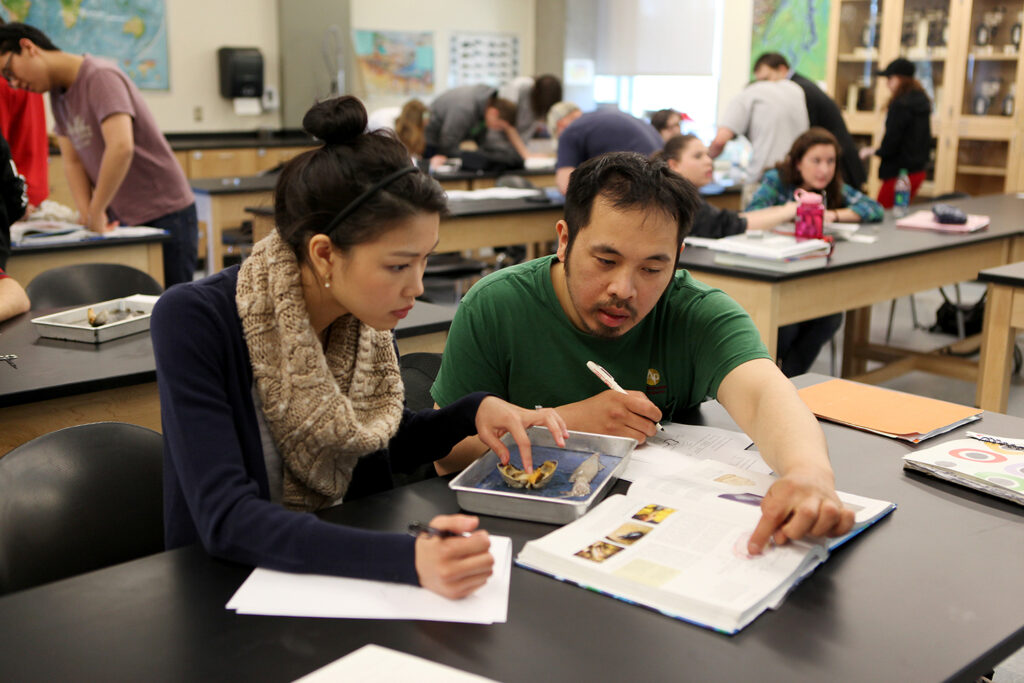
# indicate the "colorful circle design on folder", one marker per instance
pixel 1015 468
pixel 977 455
pixel 1001 479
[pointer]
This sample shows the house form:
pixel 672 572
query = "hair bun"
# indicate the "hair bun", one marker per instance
pixel 337 121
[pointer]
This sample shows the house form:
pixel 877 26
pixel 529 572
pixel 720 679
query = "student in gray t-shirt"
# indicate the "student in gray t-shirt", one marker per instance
pixel 772 114
pixel 118 163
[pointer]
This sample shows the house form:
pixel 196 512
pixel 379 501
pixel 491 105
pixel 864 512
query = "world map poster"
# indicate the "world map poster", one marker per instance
pixel 797 29
pixel 395 62
pixel 131 32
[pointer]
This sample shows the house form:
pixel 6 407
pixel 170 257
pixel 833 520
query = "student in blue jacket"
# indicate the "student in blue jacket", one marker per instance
pixel 279 382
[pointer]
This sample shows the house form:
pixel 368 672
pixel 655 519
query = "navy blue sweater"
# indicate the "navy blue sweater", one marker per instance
pixel 215 480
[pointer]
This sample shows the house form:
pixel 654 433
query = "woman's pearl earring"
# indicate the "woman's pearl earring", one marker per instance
pixel 327 285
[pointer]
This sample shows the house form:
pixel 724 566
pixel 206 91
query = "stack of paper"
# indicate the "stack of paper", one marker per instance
pixel 681 447
pixel 492 193
pixel 771 251
pixel 59 232
pixel 276 593
pixel 884 411
pixel 992 468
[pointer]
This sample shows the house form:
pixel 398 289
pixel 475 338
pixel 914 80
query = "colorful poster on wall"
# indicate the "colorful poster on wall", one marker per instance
pixel 798 29
pixel 395 62
pixel 131 32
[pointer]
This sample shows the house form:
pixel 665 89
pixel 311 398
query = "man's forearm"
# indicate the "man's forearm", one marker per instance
pixel 767 407
pixel 718 144
pixel 113 170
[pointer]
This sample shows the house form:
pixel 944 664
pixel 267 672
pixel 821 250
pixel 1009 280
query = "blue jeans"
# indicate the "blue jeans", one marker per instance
pixel 181 251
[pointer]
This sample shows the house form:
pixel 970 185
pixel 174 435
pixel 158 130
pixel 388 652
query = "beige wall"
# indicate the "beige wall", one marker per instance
pixel 196 28
pixel 445 17
pixel 737 26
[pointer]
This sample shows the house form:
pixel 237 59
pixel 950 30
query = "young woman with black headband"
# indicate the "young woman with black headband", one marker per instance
pixel 279 381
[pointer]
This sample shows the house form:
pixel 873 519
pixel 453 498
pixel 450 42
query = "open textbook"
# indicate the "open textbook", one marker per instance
pixel 679 546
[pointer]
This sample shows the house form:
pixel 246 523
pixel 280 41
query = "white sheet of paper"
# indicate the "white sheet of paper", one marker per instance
pixel 681 447
pixel 248 106
pixel 492 193
pixel 375 664
pixel 276 593
pixel 69 233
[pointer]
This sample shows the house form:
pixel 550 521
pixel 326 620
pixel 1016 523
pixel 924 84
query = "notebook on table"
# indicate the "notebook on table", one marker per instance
pixel 993 468
pixel 925 220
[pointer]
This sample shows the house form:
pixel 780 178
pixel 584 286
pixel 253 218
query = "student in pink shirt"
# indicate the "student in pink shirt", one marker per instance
pixel 119 166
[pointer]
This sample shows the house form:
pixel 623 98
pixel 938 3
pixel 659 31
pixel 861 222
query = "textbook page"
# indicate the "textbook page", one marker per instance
pixel 681 447
pixel 375 664
pixel 711 479
pixel 686 558
pixel 269 592
pixel 678 545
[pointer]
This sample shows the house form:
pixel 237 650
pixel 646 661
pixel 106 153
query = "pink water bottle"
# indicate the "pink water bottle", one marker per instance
pixel 810 214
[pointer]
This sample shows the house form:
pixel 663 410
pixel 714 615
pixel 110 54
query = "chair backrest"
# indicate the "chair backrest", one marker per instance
pixel 418 373
pixel 88 283
pixel 79 499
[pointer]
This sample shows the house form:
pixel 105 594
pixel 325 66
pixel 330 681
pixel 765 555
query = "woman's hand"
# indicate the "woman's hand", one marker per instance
pixel 454 567
pixel 866 152
pixel 495 418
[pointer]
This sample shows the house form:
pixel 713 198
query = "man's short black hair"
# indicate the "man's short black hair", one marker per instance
pixel 12 33
pixel 772 60
pixel 629 180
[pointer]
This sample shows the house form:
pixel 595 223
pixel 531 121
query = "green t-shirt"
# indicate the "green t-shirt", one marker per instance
pixel 511 337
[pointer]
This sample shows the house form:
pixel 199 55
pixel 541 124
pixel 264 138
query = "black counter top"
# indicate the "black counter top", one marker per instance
pixel 240 139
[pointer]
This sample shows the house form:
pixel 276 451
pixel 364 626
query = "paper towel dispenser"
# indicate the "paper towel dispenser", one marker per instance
pixel 241 71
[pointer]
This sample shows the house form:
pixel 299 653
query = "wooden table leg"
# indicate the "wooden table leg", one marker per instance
pixel 857 331
pixel 996 350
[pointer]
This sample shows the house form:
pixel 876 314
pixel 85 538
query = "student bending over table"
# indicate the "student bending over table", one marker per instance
pixel 612 295
pixel 118 164
pixel 813 164
pixel 280 390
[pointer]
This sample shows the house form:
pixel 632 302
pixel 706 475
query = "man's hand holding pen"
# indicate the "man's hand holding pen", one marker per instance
pixel 630 414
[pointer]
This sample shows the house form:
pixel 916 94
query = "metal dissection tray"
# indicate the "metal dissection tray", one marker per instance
pixel 480 488
pixel 73 324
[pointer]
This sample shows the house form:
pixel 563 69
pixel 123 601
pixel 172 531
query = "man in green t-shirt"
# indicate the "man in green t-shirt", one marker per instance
pixel 612 295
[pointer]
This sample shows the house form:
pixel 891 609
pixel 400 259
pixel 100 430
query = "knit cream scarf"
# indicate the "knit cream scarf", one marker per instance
pixel 324 408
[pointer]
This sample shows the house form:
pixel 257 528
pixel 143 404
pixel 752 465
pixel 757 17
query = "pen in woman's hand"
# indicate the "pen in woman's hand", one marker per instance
pixel 417 528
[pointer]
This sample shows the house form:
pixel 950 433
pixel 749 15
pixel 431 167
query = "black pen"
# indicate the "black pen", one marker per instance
pixel 417 528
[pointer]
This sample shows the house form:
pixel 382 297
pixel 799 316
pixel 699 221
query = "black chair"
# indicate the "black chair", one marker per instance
pixel 79 499
pixel 88 283
pixel 418 373
pixel 451 269
pixel 237 242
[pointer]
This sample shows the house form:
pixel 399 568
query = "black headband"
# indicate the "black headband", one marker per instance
pixel 361 199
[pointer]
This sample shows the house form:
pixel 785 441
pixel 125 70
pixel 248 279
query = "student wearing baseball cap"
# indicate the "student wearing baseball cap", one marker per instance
pixel 908 135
